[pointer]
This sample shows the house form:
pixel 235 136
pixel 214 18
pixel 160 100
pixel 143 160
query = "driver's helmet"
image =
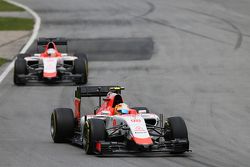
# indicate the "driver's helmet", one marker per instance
pixel 121 108
pixel 51 52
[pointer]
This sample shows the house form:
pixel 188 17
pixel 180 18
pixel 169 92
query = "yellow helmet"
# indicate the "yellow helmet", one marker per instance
pixel 121 108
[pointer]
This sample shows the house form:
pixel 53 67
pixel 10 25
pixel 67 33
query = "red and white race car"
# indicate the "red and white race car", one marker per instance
pixel 116 128
pixel 51 65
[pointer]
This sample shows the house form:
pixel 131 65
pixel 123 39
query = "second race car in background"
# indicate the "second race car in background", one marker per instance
pixel 51 65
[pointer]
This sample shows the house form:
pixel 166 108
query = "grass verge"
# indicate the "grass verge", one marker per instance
pixel 12 24
pixel 2 61
pixel 5 6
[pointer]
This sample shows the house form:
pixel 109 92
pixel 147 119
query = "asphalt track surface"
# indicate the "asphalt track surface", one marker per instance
pixel 199 70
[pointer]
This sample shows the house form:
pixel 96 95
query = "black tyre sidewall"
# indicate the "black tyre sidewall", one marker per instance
pixel 97 132
pixel 19 68
pixel 64 124
pixel 81 67
pixel 178 128
pixel 22 56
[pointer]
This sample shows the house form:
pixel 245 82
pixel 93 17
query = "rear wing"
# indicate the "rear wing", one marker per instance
pixel 92 91
pixel 41 42
pixel 96 91
pixel 57 41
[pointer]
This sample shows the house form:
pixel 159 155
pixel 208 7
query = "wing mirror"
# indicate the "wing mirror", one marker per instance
pixel 142 111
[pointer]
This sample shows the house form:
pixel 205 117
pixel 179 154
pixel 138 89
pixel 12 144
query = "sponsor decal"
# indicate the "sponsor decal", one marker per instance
pixel 135 120
pixel 139 129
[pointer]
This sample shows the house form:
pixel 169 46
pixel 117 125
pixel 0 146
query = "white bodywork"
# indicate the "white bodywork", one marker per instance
pixel 50 64
pixel 135 123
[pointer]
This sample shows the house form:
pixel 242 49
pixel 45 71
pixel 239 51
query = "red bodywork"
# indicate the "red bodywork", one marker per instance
pixel 110 102
pixel 108 105
pixel 49 46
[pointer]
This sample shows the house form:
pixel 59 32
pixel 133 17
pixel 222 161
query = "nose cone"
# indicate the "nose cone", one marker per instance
pixel 50 70
pixel 143 141
pixel 49 74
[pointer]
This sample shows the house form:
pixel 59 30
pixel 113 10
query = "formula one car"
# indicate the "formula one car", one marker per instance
pixel 115 128
pixel 51 65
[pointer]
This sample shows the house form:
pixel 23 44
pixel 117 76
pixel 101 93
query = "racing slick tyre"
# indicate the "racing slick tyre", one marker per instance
pixel 19 69
pixel 178 130
pixel 22 56
pixel 81 67
pixel 94 130
pixel 141 108
pixel 62 124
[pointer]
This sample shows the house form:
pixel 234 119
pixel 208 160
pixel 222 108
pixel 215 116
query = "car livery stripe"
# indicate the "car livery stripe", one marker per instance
pixel 77 108
pixel 143 141
pixel 98 147
pixel 49 75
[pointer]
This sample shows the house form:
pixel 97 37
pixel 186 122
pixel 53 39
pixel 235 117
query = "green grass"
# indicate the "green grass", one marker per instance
pixel 10 23
pixel 2 61
pixel 4 6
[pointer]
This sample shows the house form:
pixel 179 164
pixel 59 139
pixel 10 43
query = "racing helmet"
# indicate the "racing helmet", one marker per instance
pixel 121 108
pixel 51 52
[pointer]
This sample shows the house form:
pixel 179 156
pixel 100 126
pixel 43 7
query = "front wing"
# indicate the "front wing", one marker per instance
pixel 104 147
pixel 114 147
pixel 37 77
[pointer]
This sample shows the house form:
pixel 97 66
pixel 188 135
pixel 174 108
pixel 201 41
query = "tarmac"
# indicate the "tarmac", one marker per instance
pixel 12 41
pixel 199 70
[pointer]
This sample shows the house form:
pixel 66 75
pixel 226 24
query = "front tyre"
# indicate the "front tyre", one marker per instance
pixel 22 56
pixel 19 69
pixel 94 130
pixel 81 67
pixel 62 124
pixel 178 130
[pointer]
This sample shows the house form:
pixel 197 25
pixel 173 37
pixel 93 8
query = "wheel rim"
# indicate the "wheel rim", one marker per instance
pixel 86 137
pixel 86 68
pixel 53 126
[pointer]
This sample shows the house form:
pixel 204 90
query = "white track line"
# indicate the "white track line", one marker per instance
pixel 31 40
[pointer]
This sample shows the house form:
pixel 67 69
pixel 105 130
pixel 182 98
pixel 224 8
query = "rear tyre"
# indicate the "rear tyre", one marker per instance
pixel 62 124
pixel 94 130
pixel 81 67
pixel 20 69
pixel 178 130
pixel 141 108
